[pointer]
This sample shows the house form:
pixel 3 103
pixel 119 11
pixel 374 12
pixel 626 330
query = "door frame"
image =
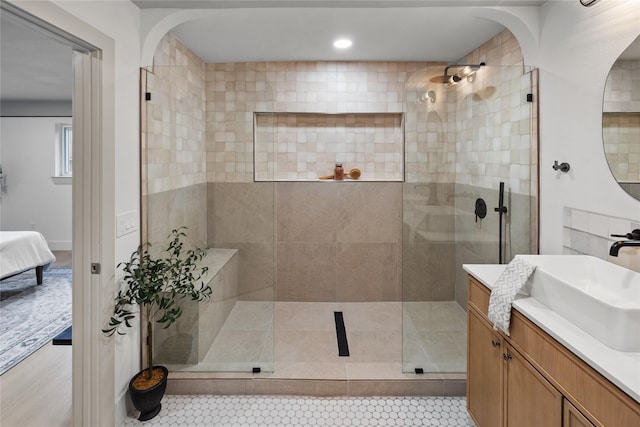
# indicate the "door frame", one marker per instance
pixel 93 235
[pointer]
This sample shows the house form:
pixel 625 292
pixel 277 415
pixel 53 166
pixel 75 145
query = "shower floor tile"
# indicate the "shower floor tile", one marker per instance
pixel 283 411
pixel 291 340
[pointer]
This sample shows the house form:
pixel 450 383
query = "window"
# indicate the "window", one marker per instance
pixel 64 151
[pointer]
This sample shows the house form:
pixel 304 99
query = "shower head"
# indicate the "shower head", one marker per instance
pixel 451 79
pixel 467 71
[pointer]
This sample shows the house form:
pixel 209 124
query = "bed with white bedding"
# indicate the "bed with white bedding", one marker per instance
pixel 24 250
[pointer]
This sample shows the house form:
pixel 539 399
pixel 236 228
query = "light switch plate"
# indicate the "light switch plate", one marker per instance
pixel 126 223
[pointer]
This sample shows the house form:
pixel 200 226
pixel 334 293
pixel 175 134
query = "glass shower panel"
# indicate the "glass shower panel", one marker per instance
pixel 196 172
pixel 462 141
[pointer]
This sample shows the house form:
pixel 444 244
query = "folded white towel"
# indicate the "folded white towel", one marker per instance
pixel 504 292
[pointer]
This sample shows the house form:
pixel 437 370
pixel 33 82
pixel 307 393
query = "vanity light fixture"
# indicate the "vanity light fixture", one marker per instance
pixel 342 43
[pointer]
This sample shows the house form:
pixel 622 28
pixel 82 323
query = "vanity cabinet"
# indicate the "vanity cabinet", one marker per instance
pixel 529 399
pixel 529 379
pixel 572 417
pixel 484 372
pixel 503 388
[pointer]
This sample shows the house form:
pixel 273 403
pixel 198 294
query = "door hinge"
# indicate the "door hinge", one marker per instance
pixel 529 97
pixel 95 268
pixel 147 96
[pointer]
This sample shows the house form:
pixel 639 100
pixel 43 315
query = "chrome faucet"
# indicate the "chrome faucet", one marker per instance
pixel 634 241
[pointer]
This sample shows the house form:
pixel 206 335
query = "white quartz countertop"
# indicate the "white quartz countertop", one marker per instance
pixel 620 367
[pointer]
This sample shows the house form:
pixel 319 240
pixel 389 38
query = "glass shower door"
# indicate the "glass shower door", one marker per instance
pixel 467 139
pixel 193 176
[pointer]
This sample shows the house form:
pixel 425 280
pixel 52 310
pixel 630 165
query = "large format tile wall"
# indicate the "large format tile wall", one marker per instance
pixel 326 242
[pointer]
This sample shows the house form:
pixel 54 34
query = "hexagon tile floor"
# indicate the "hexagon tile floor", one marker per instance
pixel 282 411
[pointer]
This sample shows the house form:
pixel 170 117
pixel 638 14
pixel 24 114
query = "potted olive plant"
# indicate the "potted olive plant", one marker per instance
pixel 156 284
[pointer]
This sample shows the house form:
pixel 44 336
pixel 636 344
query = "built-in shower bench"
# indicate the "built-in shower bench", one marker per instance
pixel 189 339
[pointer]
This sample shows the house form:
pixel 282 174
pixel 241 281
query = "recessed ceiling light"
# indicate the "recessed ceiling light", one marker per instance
pixel 342 43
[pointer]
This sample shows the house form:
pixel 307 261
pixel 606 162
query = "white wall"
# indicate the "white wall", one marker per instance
pixel 578 46
pixel 31 200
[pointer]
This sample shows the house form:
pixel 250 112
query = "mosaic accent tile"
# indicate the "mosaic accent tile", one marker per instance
pixel 248 411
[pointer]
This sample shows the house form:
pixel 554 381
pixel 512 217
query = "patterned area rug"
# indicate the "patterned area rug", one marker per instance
pixel 31 315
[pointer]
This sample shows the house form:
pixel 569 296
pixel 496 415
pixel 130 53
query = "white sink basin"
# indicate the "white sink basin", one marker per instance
pixel 597 296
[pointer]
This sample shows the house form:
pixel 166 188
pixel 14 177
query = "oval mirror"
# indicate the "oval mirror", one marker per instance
pixel 621 119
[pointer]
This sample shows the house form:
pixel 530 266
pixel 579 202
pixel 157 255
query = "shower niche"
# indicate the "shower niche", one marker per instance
pixel 305 146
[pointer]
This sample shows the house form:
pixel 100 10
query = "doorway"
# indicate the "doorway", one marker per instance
pixel 84 66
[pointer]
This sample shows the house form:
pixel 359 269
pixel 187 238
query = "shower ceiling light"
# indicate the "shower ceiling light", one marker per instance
pixel 342 43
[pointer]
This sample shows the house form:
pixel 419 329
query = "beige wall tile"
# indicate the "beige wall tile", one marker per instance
pixel 427 271
pixel 367 272
pixel 256 269
pixel 193 386
pixel 306 272
pixel 168 210
pixel 369 212
pixel 244 212
pixel 429 387
pixel 298 387
pixel 307 212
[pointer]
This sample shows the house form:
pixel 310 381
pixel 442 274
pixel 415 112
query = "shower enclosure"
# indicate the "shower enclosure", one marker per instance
pixel 233 151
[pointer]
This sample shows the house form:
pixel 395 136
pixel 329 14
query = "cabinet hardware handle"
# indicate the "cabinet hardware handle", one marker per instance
pixel 495 343
pixel 507 356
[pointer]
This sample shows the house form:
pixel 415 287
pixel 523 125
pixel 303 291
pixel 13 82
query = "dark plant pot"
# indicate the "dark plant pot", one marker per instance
pixel 148 401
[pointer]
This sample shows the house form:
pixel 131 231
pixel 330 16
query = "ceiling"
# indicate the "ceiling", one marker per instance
pixel 307 34
pixel 36 67
pixel 304 30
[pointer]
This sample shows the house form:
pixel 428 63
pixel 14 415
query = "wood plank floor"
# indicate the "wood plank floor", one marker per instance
pixel 37 391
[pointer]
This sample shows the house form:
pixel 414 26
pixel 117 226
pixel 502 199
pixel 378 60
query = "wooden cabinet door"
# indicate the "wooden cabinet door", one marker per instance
pixel 573 417
pixel 530 400
pixel 484 372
